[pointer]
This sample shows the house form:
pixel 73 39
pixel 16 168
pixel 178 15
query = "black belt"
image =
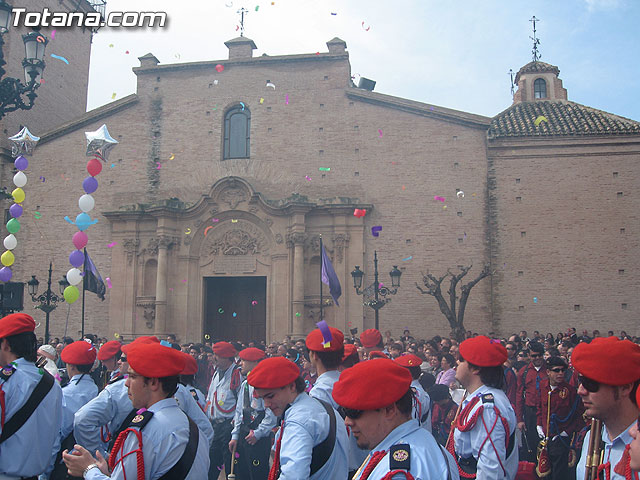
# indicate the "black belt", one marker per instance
pixel 468 465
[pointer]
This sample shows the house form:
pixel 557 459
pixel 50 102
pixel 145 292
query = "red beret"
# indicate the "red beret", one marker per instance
pixel 224 349
pixel 371 385
pixel 274 372
pixel 349 349
pixel 370 338
pixel 252 354
pixel 190 365
pixel 109 349
pixel 483 351
pixel 153 360
pixel 139 341
pixel 608 360
pixel 377 354
pixel 79 353
pixel 315 341
pixel 409 360
pixel 16 323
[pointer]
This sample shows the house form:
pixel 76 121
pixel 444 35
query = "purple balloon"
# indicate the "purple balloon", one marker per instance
pixel 15 210
pixel 76 258
pixel 5 274
pixel 21 163
pixel 90 184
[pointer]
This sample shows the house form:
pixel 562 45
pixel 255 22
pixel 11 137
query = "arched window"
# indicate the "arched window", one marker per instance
pixel 539 88
pixel 237 127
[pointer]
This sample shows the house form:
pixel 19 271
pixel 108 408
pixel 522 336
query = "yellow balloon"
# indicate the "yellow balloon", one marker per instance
pixel 71 294
pixel 18 195
pixel 7 258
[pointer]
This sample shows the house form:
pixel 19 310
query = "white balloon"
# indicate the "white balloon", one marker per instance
pixel 74 276
pixel 10 242
pixel 86 203
pixel 20 179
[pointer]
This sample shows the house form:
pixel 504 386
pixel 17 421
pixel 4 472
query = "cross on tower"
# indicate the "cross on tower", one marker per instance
pixel 536 40
pixel 512 83
pixel 242 11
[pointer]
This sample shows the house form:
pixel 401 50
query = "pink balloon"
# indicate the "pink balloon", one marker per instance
pixel 80 240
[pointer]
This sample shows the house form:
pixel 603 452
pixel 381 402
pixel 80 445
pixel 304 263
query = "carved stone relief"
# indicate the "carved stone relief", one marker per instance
pixel 295 238
pixel 340 242
pixel 233 197
pixel 131 248
pixel 233 239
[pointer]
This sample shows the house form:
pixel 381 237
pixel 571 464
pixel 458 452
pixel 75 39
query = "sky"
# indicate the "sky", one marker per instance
pixel 451 53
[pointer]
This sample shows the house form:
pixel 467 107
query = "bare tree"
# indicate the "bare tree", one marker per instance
pixel 454 309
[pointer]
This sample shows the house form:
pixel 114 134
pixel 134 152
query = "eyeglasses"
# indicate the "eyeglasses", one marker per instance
pixel 558 369
pixel 588 384
pixel 535 355
pixel 350 412
pixel 123 359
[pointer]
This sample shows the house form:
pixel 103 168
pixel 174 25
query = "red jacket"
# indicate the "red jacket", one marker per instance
pixel 529 388
pixel 566 408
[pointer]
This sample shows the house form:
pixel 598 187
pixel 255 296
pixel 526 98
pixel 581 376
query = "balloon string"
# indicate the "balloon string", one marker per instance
pixel 67 322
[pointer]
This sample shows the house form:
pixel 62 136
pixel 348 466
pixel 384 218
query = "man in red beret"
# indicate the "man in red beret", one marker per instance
pixel 160 439
pixel 484 437
pixel 371 340
pixel 97 424
pixel 109 354
pixel 634 446
pixel 422 402
pixel 187 378
pixel 350 356
pixel 252 425
pixel 325 355
pixel 376 399
pixel 37 428
pixel 312 440
pixel 609 373
pixel 78 357
pixel 222 398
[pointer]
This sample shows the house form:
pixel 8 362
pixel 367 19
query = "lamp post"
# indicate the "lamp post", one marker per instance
pixel 48 300
pixel 12 89
pixel 379 291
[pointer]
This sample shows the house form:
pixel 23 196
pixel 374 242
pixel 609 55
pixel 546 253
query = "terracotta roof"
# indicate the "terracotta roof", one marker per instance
pixel 537 67
pixel 562 118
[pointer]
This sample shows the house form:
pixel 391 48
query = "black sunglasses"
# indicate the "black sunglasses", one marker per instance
pixel 558 369
pixel 588 384
pixel 535 355
pixel 350 412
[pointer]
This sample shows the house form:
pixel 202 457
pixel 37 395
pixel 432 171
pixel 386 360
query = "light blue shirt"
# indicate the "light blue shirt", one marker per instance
pixel 421 405
pixel 189 406
pixel 257 405
pixel 28 451
pixel 613 450
pixel 474 443
pixel 164 440
pixel 221 400
pixel 323 387
pixel 199 396
pixel 306 424
pixel 80 390
pixel 108 410
pixel 426 457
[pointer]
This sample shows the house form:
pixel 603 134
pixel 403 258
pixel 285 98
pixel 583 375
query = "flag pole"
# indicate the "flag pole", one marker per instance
pixel 321 264
pixel 84 272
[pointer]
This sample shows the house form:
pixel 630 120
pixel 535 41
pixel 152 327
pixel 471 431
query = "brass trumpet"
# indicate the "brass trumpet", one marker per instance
pixel 595 452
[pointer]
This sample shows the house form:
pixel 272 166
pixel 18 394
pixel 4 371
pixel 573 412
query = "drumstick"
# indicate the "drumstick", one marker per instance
pixel 231 475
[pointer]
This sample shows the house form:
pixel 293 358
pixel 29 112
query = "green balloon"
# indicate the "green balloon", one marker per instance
pixel 71 294
pixel 13 225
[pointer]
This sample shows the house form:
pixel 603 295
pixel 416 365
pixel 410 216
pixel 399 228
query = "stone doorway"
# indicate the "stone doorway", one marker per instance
pixel 243 296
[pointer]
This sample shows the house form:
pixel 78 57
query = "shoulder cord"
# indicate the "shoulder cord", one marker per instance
pixel 373 463
pixel 102 435
pixel 407 475
pixel 274 473
pixel 117 447
pixel 505 424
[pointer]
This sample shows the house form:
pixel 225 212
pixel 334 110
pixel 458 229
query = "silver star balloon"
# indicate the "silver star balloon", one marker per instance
pixel 99 143
pixel 23 142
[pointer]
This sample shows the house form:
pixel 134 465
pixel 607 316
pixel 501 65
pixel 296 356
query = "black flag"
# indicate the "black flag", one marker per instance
pixel 92 280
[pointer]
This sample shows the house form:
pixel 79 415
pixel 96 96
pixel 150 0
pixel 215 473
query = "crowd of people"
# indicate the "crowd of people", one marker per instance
pixel 327 406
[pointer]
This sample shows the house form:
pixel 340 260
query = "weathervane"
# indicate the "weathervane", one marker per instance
pixel 512 83
pixel 536 40
pixel 242 11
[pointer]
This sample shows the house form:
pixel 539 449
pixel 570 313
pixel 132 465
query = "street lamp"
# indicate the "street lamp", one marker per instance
pixel 48 300
pixel 376 288
pixel 12 89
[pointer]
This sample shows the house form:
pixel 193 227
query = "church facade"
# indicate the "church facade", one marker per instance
pixel 229 172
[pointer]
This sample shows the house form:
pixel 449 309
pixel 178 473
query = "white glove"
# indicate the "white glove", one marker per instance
pixel 540 431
